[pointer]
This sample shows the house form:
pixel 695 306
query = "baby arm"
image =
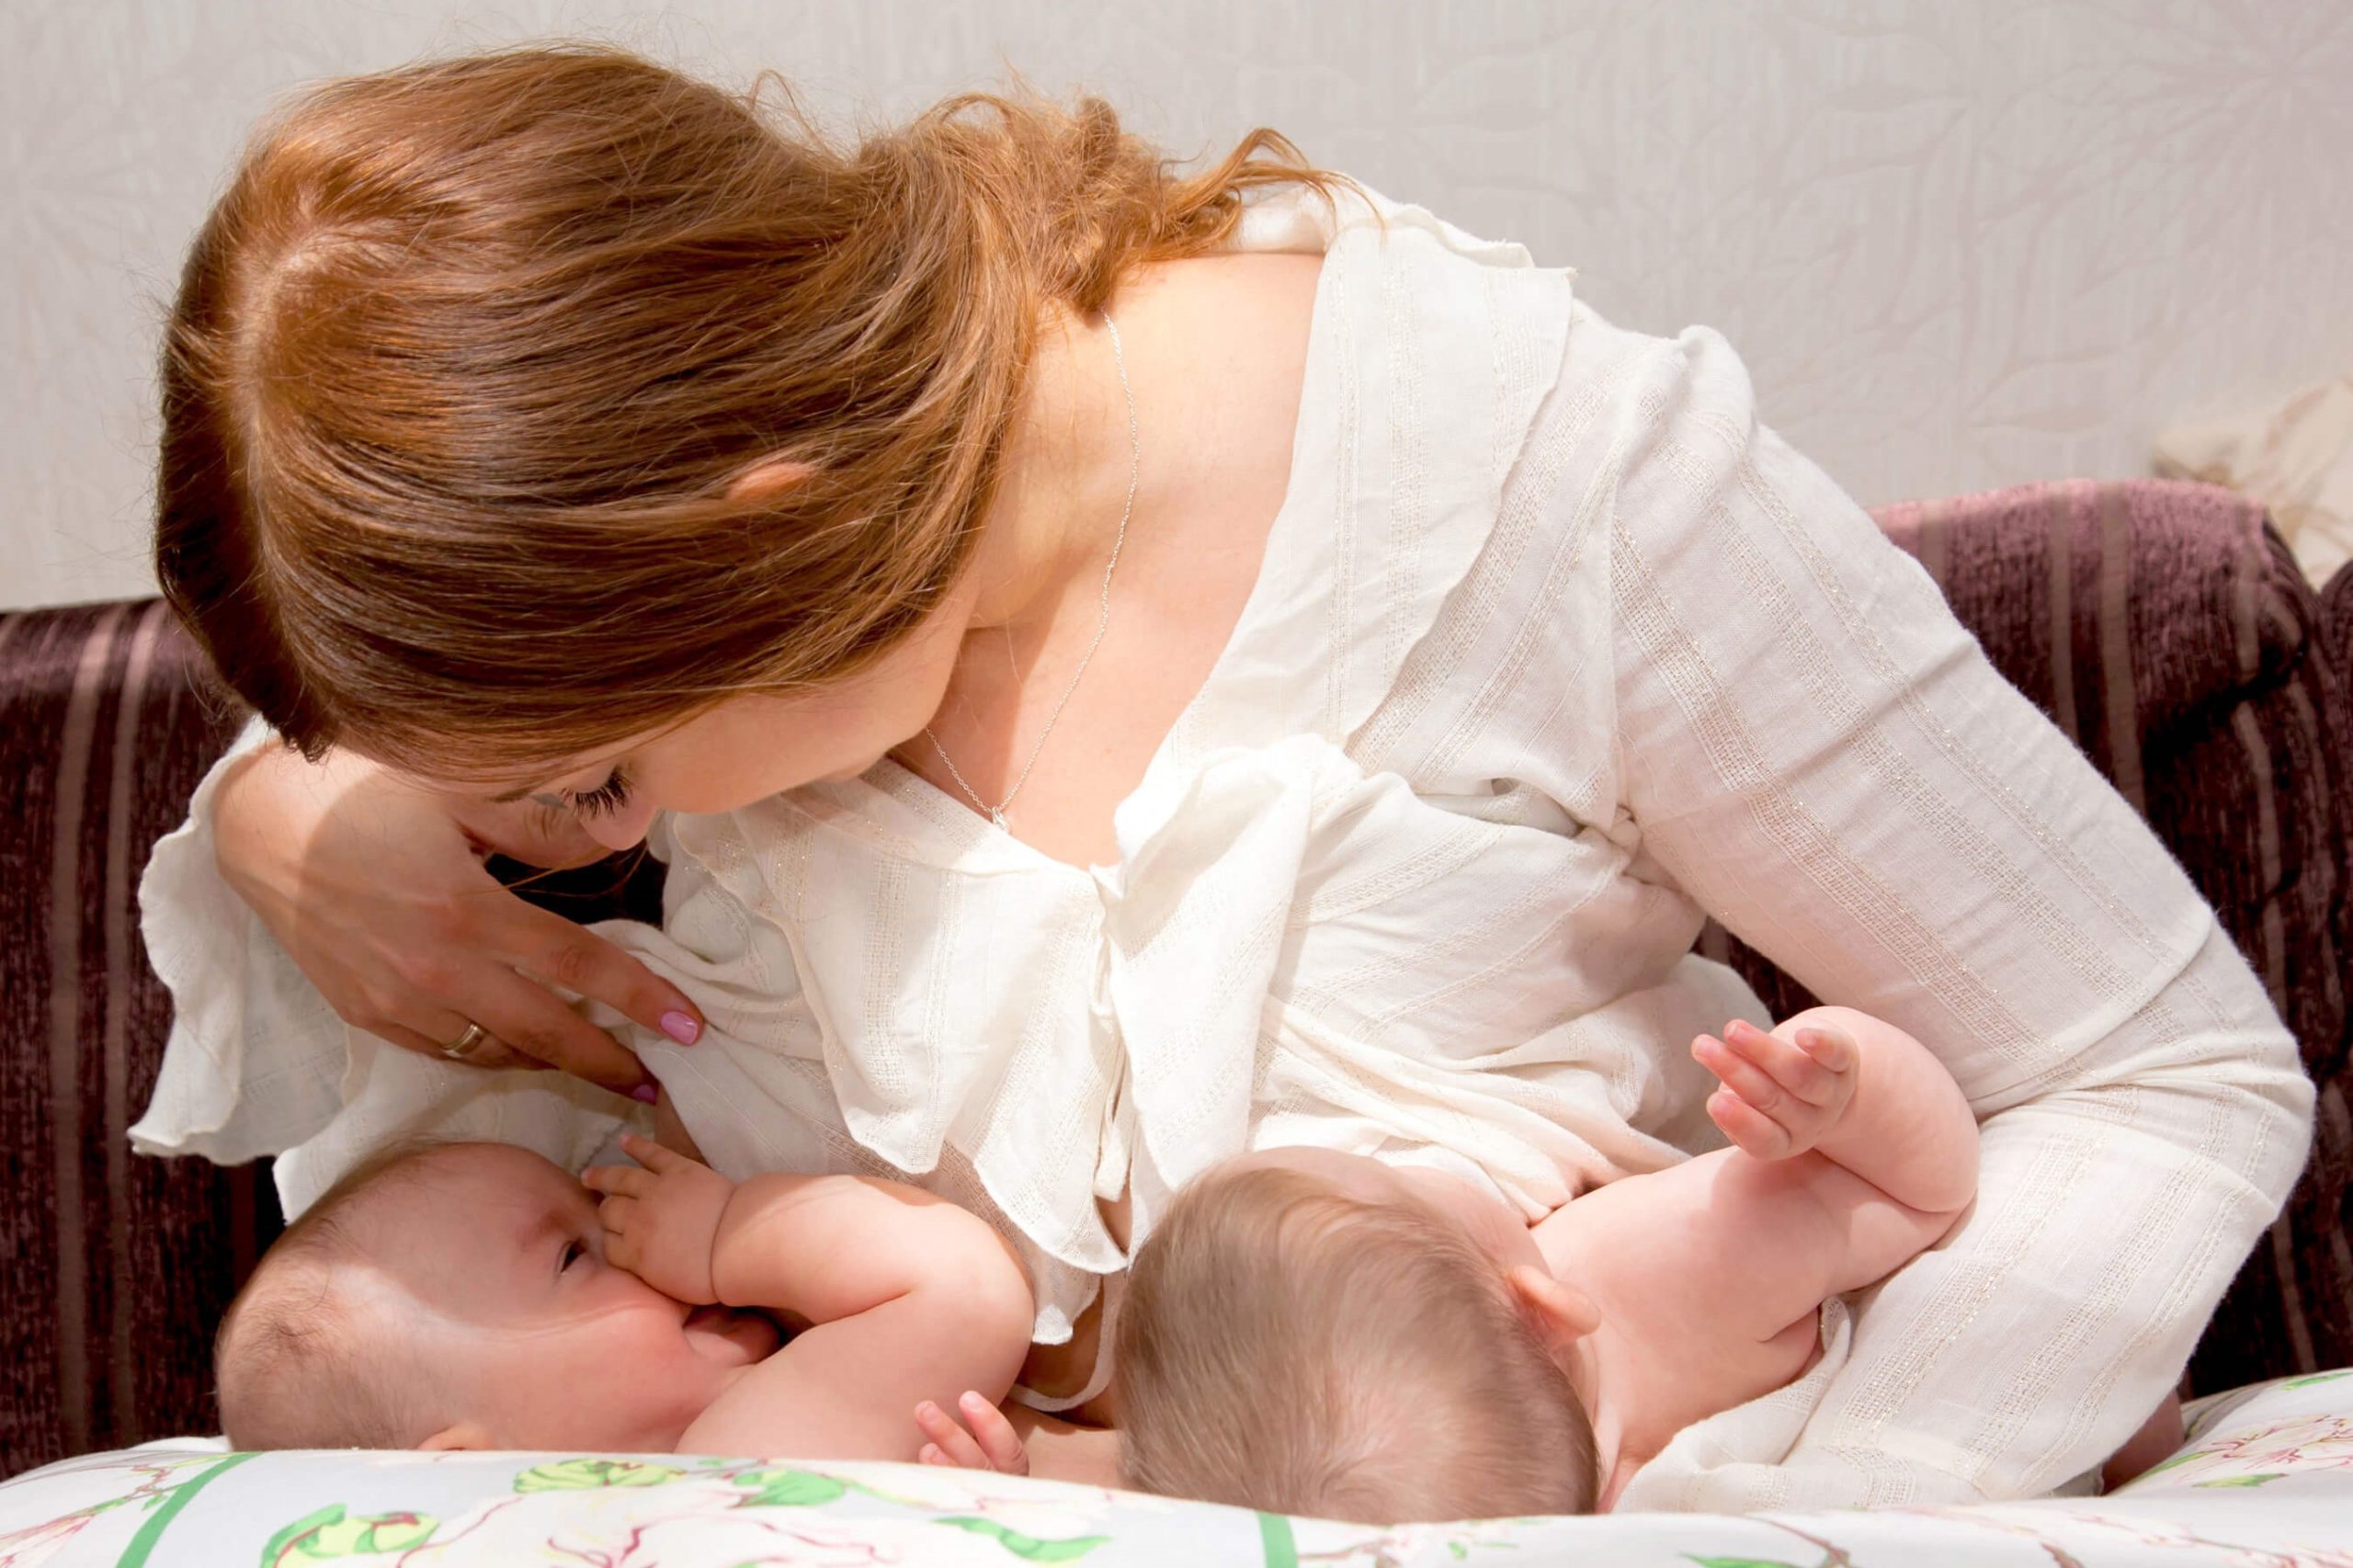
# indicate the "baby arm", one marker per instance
pixel 1854 1151
pixel 1861 1093
pixel 908 1298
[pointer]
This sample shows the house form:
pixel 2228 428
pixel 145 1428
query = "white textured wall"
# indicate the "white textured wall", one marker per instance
pixel 1961 242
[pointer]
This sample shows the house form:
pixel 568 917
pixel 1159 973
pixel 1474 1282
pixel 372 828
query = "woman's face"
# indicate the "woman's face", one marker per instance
pixel 750 746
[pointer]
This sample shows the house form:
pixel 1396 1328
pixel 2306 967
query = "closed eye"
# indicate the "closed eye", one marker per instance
pixel 606 798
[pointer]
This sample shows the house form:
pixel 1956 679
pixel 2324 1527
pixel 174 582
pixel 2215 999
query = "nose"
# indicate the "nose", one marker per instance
pixel 621 829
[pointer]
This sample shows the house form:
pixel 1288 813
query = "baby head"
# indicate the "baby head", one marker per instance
pixel 1314 1332
pixel 456 1296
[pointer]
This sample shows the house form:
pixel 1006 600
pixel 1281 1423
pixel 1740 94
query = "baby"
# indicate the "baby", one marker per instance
pixel 1312 1332
pixel 1317 1333
pixel 475 1296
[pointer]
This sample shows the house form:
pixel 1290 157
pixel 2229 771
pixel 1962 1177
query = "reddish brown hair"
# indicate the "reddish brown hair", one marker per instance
pixel 1288 1348
pixel 464 363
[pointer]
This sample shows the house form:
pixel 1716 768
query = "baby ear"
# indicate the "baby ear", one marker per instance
pixel 1560 1310
pixel 767 480
pixel 460 1437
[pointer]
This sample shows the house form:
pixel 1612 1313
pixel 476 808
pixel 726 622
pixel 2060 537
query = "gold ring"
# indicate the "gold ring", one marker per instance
pixel 462 1048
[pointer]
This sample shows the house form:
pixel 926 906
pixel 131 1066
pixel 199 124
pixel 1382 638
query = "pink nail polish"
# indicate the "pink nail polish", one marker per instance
pixel 645 1094
pixel 682 1028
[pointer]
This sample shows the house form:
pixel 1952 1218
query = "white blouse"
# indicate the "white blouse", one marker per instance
pixel 1554 652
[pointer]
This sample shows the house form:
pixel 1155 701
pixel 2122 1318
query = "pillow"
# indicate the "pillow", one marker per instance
pixel 2263 1471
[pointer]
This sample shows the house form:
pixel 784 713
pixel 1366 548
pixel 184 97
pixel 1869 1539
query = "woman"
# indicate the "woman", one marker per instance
pixel 1125 670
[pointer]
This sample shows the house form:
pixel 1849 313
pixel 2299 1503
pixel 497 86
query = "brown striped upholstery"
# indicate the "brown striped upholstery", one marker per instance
pixel 2336 619
pixel 114 1266
pixel 2160 624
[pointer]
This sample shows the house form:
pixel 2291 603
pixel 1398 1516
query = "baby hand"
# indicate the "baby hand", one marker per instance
pixel 660 1222
pixel 1780 1097
pixel 992 1444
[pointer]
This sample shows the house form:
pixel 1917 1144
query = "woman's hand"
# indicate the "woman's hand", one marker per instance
pixel 374 886
pixel 982 1439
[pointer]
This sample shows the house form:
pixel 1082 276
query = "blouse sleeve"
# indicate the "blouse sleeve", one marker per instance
pixel 1813 749
pixel 258 1064
pixel 255 1057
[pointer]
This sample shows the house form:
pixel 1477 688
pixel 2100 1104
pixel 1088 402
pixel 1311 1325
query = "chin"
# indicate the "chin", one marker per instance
pixel 736 1336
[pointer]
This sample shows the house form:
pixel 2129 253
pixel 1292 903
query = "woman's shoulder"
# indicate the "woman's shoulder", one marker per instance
pixel 1429 353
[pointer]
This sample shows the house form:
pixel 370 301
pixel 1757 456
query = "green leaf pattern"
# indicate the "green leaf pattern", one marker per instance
pixel 1028 1546
pixel 591 1474
pixel 332 1532
pixel 789 1488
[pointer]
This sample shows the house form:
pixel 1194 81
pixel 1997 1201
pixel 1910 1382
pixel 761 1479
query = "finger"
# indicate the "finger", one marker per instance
pixel 652 1155
pixel 526 1016
pixel 617 1215
pixel 624 1253
pixel 1833 1049
pixel 1740 1075
pixel 1788 1066
pixel 490 1055
pixel 582 962
pixel 657 1157
pixel 620 1180
pixel 995 1433
pixel 1751 1130
pixel 929 1454
pixel 954 1445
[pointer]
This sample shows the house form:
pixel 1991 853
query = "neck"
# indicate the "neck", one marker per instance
pixel 1064 482
pixel 1604 1414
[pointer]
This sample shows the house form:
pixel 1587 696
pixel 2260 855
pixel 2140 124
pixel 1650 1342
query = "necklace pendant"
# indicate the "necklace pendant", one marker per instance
pixel 996 819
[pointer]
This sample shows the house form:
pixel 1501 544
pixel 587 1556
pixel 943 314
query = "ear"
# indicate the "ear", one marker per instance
pixel 767 480
pixel 1560 1310
pixel 457 1437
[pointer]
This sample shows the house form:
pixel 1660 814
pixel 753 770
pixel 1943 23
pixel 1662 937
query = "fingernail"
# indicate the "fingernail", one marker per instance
pixel 645 1094
pixel 682 1028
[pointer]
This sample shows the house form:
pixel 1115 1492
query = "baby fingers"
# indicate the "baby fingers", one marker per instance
pixel 624 1253
pixel 1746 1081
pixel 1799 1072
pixel 949 1443
pixel 1750 1130
pixel 627 1179
pixel 652 1155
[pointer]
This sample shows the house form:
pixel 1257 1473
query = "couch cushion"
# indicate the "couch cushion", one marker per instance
pixel 116 1265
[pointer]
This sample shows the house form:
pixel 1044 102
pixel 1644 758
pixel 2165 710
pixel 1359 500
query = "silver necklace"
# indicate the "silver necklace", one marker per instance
pixel 1103 612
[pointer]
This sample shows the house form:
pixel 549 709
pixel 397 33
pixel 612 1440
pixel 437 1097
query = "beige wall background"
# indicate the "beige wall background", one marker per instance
pixel 1962 243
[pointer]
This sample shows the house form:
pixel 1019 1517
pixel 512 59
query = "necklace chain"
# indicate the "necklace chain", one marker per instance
pixel 1102 618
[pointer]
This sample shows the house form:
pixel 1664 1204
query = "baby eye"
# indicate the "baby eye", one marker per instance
pixel 572 1252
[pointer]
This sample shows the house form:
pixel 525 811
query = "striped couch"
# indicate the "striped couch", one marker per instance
pixel 2162 625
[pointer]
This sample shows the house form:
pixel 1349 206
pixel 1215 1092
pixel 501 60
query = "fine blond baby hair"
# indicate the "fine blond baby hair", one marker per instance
pixel 1293 1349
pixel 299 1362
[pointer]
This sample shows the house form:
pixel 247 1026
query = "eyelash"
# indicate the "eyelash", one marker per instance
pixel 610 796
pixel 606 798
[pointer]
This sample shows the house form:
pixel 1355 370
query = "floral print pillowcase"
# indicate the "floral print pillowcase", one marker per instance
pixel 2266 1475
